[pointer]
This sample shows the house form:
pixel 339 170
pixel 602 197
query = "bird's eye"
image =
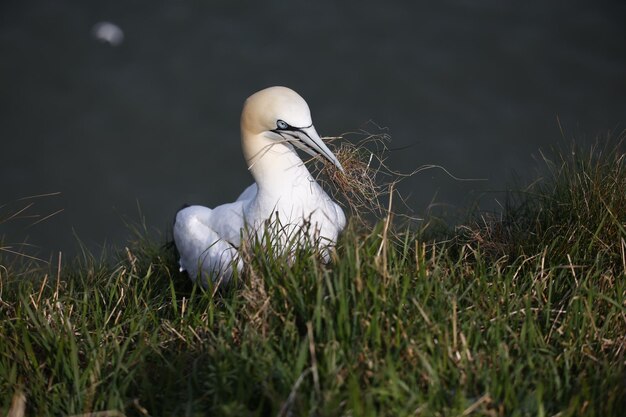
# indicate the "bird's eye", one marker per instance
pixel 281 124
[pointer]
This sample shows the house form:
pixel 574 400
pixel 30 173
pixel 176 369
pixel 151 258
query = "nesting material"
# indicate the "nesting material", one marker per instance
pixel 367 181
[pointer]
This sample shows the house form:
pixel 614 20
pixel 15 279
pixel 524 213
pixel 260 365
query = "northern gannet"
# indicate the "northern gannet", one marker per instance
pixel 274 122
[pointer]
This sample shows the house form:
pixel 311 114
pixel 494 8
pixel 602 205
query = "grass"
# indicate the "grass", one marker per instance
pixel 522 314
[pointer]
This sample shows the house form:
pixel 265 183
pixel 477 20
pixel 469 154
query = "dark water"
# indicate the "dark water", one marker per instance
pixel 474 86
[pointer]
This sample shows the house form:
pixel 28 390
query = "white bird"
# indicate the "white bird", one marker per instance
pixel 273 121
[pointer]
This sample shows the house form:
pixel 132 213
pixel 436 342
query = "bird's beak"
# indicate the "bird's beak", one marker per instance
pixel 311 143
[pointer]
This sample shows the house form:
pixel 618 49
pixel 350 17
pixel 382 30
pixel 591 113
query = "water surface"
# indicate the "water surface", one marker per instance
pixel 476 87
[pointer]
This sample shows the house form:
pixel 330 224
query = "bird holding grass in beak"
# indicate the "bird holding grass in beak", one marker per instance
pixel 274 123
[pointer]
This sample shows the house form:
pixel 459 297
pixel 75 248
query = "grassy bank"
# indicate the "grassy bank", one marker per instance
pixel 521 314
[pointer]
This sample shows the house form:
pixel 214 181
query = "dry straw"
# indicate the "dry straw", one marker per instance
pixel 366 185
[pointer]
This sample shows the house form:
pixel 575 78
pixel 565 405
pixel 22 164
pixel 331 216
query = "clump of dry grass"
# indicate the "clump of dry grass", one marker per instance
pixel 367 182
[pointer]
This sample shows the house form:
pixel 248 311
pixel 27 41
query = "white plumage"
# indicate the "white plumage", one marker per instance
pixel 273 121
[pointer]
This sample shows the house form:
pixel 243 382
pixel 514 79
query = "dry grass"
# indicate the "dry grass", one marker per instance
pixel 367 181
pixel 368 185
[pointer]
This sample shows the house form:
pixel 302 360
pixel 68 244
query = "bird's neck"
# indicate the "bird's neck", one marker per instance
pixel 276 167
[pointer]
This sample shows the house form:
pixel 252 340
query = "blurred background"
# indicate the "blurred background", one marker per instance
pixel 126 107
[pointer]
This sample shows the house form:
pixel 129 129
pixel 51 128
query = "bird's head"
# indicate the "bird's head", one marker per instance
pixel 279 115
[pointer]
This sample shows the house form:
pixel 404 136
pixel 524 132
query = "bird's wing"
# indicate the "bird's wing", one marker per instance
pixel 204 251
pixel 248 194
